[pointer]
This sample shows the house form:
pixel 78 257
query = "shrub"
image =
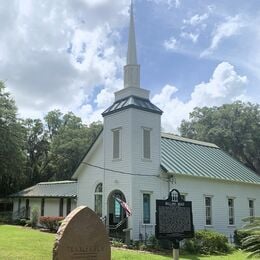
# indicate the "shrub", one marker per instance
pixel 35 217
pixel 6 217
pixel 207 242
pixel 51 223
pixel 136 244
pixel 28 223
pixel 152 243
pixel 117 243
pixel 165 244
pixel 239 235
pixel 22 221
pixel 251 243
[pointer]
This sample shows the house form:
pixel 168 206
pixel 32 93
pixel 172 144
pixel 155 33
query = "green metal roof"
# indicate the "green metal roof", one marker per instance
pixel 132 102
pixel 194 158
pixel 57 189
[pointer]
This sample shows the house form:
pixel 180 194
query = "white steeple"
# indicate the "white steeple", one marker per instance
pixel 131 52
pixel 132 69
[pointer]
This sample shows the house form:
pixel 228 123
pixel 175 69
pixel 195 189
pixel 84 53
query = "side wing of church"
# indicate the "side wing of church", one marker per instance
pixel 132 161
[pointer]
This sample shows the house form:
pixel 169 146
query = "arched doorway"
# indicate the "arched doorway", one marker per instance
pixel 117 219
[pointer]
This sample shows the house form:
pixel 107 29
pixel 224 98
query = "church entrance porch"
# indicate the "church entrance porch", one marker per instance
pixel 117 219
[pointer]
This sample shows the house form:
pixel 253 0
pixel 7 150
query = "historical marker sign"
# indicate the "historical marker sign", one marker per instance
pixel 174 218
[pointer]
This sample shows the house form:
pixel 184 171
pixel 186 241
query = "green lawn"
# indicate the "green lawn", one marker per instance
pixel 27 244
pixel 135 255
pixel 24 243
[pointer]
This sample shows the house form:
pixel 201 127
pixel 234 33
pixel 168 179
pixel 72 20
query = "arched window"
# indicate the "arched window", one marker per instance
pixel 98 199
pixel 117 209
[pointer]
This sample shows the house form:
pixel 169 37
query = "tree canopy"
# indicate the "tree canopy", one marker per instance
pixel 35 150
pixel 12 157
pixel 233 127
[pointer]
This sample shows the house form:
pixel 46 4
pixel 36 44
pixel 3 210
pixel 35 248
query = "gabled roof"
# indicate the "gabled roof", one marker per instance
pixel 57 189
pixel 194 158
pixel 132 102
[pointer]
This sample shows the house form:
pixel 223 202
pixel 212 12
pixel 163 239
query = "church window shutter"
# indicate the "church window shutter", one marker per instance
pixel 116 144
pixel 146 143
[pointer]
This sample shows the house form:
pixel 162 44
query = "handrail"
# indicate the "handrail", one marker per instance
pixel 103 219
pixel 114 227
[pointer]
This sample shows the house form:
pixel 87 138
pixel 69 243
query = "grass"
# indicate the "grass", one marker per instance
pixel 120 254
pixel 24 243
pixel 18 243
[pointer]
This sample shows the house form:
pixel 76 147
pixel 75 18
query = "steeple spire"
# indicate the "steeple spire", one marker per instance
pixel 132 69
pixel 131 52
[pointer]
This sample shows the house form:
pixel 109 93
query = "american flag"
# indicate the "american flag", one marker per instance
pixel 124 206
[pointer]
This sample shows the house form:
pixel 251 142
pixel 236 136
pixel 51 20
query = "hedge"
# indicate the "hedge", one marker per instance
pixel 51 223
pixel 207 242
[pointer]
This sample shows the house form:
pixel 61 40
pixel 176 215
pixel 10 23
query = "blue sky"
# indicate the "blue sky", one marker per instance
pixel 70 55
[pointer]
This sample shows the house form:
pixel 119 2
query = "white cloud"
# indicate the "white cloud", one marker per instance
pixel 230 27
pixel 171 44
pixel 177 3
pixel 196 19
pixel 55 54
pixel 225 86
pixel 190 36
pixel 169 3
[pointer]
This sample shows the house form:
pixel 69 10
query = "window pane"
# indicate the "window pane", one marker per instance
pixel 208 201
pixel 208 210
pixel 146 209
pixel 98 205
pixel 146 144
pixel 231 219
pixel 251 208
pixel 99 188
pixel 116 137
pixel 117 209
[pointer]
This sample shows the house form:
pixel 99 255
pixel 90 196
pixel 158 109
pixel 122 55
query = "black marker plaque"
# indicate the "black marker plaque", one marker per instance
pixel 174 218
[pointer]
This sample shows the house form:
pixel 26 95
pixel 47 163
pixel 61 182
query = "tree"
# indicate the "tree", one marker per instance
pixel 37 147
pixel 233 127
pixel 53 121
pixel 69 140
pixel 12 142
pixel 33 150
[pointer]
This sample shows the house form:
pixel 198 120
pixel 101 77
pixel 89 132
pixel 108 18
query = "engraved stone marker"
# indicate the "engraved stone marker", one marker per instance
pixel 82 235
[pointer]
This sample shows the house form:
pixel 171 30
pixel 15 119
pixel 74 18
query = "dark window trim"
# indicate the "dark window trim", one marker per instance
pixel 68 206
pixel 61 207
pixel 42 206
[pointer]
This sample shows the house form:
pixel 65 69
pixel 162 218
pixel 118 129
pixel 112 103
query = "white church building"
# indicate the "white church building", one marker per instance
pixel 131 159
